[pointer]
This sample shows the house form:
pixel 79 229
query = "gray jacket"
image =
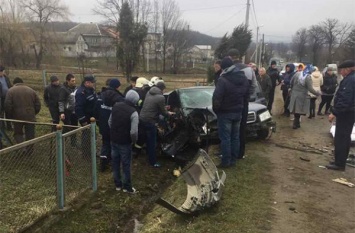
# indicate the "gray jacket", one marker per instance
pixel 153 106
pixel 300 100
pixel 250 74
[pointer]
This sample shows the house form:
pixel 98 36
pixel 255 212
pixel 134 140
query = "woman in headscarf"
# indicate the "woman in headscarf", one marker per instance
pixel 317 82
pixel 301 84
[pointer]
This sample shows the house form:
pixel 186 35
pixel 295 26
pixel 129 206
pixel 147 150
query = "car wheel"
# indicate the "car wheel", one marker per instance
pixel 264 134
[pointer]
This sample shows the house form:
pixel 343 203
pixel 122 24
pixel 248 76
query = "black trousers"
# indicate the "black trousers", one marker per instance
pixel 286 98
pixel 312 107
pixel 326 99
pixel 342 139
pixel 271 99
pixel 243 128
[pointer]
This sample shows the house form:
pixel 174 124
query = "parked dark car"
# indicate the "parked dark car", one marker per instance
pixel 195 120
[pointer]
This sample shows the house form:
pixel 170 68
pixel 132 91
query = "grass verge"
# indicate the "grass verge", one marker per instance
pixel 244 206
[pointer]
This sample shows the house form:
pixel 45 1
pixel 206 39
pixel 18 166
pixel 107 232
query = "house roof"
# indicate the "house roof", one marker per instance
pixel 204 47
pixel 92 29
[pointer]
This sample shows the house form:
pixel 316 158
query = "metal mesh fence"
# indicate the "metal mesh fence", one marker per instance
pixel 27 182
pixel 77 161
pixel 43 174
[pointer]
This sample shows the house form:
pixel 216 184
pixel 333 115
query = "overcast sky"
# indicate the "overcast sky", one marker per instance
pixel 278 19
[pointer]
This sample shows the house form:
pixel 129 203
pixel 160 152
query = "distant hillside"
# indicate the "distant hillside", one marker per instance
pixel 197 38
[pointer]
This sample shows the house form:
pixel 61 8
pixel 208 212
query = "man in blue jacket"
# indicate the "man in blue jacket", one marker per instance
pixel 344 112
pixel 85 100
pixel 228 102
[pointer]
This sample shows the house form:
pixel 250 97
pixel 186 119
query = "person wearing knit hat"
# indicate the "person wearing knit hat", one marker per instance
pixel 123 123
pixel 108 97
pixel 115 83
pixel 344 112
pixel 227 102
pixel 226 63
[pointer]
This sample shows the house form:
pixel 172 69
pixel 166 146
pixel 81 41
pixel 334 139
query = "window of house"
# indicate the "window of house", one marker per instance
pixel 69 48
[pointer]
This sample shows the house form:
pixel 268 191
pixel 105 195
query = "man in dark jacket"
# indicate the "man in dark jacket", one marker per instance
pixel 228 103
pixel 85 100
pixel 154 105
pixel 66 102
pixel 328 88
pixel 250 74
pixel 274 74
pixel 51 99
pixel 124 132
pixel 344 112
pixel 286 85
pixel 108 98
pixel 22 103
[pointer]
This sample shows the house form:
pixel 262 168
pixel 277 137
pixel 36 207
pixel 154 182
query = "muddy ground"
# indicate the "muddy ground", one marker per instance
pixel 305 197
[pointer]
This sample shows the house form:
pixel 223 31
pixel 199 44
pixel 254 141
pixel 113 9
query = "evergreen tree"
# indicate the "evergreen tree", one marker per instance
pixel 240 39
pixel 132 35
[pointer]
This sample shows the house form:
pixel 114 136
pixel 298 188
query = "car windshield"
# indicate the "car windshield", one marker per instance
pixel 196 98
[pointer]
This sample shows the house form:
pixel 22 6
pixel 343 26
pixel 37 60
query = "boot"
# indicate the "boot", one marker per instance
pixel 296 123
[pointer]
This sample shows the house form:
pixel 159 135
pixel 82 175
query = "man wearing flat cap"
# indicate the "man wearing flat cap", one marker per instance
pixel 344 112
pixel 51 99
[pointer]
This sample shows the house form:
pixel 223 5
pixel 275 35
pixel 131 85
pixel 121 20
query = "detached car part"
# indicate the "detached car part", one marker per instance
pixel 204 186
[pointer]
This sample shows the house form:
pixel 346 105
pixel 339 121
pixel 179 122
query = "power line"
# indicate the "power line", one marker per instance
pixel 225 20
pixel 208 8
pixel 256 20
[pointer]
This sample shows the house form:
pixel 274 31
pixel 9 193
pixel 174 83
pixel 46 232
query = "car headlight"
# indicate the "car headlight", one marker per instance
pixel 264 116
pixel 204 128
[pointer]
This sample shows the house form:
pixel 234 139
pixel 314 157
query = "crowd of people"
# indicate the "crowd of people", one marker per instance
pixel 123 119
pixel 300 86
pixel 129 120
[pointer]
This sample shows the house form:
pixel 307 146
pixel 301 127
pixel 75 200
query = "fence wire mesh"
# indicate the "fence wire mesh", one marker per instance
pixel 27 182
pixel 13 132
pixel 77 162
pixel 29 172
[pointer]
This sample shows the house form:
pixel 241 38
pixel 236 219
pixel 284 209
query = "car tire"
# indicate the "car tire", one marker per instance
pixel 264 134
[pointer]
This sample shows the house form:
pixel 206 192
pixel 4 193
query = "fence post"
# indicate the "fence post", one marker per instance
pixel 44 77
pixel 60 167
pixel 93 153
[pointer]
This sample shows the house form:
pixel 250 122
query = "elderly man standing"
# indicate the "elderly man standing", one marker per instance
pixel 22 103
pixel 344 112
pixel 228 103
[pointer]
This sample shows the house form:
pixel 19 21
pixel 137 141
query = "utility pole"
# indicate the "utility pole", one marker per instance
pixel 262 52
pixel 257 45
pixel 246 21
pixel 247 14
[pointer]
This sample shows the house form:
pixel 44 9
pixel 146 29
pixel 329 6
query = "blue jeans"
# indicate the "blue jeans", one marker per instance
pixel 121 154
pixel 228 131
pixel 151 141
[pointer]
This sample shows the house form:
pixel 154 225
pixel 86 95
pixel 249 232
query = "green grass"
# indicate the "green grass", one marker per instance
pixel 244 206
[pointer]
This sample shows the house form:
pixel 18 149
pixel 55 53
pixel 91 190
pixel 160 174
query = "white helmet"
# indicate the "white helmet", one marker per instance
pixel 141 82
pixel 155 79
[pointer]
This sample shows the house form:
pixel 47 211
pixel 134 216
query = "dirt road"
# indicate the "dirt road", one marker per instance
pixel 305 197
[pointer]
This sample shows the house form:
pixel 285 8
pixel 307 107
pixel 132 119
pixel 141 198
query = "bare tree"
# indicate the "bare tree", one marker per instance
pixel 13 36
pixel 316 41
pixel 170 14
pixel 178 38
pixel 110 10
pixel 40 13
pixel 299 41
pixel 335 35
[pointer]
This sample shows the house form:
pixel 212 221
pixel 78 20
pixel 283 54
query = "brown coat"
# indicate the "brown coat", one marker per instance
pixel 22 103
